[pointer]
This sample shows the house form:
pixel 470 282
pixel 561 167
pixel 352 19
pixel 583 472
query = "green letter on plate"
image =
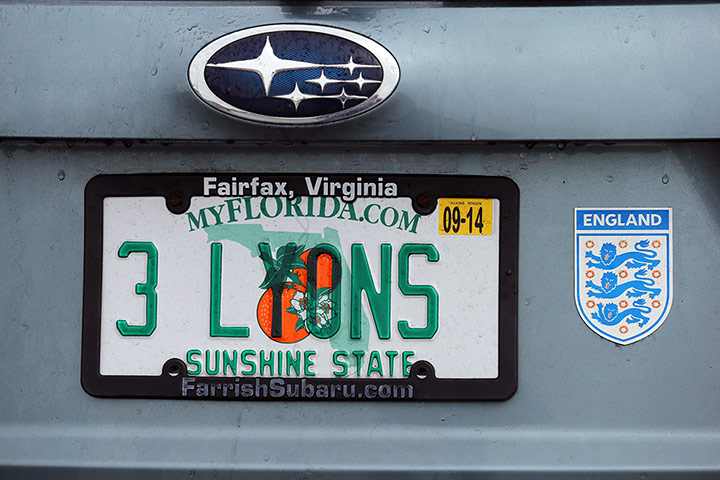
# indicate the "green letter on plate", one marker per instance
pixel 147 289
pixel 379 299
pixel 406 331
pixel 217 330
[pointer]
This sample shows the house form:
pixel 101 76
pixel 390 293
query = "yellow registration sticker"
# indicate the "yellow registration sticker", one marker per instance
pixel 465 216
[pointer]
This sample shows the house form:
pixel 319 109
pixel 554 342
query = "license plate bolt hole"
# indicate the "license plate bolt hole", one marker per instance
pixel 424 203
pixel 177 203
pixel 422 370
pixel 174 367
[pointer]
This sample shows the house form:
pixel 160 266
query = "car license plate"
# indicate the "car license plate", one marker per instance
pixel 300 287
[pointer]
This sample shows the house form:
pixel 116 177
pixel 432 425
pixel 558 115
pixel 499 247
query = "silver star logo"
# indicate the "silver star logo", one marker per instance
pixel 297 97
pixel 344 97
pixel 322 81
pixel 351 65
pixel 360 81
pixel 267 65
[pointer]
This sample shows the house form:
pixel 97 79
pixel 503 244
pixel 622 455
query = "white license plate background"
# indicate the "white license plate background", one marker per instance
pixel 465 277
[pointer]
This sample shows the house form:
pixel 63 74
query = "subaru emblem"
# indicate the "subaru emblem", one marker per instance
pixel 293 74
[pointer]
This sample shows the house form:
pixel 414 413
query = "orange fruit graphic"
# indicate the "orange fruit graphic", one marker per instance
pixel 289 320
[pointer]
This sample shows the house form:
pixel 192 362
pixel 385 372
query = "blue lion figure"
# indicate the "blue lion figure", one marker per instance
pixel 609 314
pixel 610 260
pixel 609 287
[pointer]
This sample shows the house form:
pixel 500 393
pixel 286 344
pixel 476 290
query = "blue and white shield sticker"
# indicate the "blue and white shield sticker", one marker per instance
pixel 623 270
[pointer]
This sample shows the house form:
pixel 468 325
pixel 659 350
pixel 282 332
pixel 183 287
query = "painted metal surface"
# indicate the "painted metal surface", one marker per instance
pixel 583 404
pixel 91 72
pixel 117 70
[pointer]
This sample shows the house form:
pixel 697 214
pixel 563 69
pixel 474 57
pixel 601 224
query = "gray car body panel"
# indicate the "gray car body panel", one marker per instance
pixel 118 70
pixel 101 87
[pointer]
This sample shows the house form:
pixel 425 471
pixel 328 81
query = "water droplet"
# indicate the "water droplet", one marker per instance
pixel 653 33
pixel 266 458
pixel 507 172
pixel 626 39
pixel 523 166
pixel 666 179
pixel 473 137
pixel 551 155
pixel 609 178
pixel 560 146
pixel 61 175
pixel 642 67
pixel 426 29
pixel 324 11
pixel 153 72
pixel 522 155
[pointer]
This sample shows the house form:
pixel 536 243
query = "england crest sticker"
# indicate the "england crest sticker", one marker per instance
pixel 623 270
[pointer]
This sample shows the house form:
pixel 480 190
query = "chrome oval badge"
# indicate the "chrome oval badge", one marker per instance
pixel 293 74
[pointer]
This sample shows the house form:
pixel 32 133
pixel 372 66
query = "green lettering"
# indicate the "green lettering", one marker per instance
pixel 310 205
pixel 269 362
pixel 387 222
pixel 374 364
pixel 217 330
pixel 215 214
pixel 391 354
pixel 248 363
pixel 405 223
pixel 208 370
pixel 359 354
pixel 248 209
pixel 431 326
pixel 232 209
pixel 192 220
pixel 147 289
pixel 293 205
pixel 379 300
pixel 278 207
pixel 191 361
pixel 405 363
pixel 349 208
pixel 291 362
pixel 328 311
pixel 308 363
pixel 336 207
pixel 366 213
pixel 340 363
pixel 230 362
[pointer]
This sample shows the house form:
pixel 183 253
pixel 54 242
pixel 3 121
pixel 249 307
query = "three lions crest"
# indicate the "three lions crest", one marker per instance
pixel 623 271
